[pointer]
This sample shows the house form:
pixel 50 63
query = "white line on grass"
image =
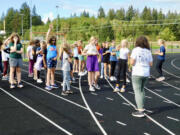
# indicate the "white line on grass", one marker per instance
pixel 89 109
pixel 36 112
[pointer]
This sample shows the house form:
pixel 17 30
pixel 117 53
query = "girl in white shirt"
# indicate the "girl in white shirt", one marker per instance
pixel 124 55
pixel 30 58
pixel 141 60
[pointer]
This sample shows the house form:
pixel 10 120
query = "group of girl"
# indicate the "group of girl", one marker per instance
pixel 106 61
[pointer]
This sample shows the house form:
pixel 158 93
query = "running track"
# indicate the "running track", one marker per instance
pixel 35 111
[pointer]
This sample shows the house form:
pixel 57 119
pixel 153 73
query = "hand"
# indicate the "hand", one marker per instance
pixel 45 66
pixel 55 58
pixel 15 40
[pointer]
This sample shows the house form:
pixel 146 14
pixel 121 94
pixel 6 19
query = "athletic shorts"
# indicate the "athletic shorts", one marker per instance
pixel 76 58
pixel 51 63
pixel 15 62
pixel 92 63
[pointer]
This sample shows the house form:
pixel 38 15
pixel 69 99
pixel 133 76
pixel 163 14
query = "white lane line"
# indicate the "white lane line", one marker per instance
pixel 126 104
pixel 172 63
pixel 121 123
pixel 97 113
pixel 176 94
pixel 165 101
pixel 109 98
pixel 158 90
pixel 162 97
pixel 171 73
pixel 89 109
pixel 131 93
pixel 156 122
pixel 69 101
pixel 94 93
pixel 173 118
pixel 147 134
pixel 145 96
pixel 36 112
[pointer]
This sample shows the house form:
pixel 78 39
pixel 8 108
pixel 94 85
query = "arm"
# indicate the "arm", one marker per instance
pixel 44 61
pixel 20 52
pixel 49 31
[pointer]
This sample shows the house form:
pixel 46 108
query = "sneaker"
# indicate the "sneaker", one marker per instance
pixel 106 77
pixel 112 78
pixel 97 86
pixel 39 81
pixel 139 114
pixel 162 78
pixel 54 86
pixel 64 93
pixel 20 85
pixel 81 74
pixel 69 92
pixel 91 89
pixel 101 76
pixel 122 90
pixel 5 78
pixel 127 80
pixel 12 86
pixel 116 89
pixel 48 88
pixel 85 72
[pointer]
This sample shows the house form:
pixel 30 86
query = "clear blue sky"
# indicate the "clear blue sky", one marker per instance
pixel 47 8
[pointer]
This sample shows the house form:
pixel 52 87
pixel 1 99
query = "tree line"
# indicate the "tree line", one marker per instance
pixel 115 25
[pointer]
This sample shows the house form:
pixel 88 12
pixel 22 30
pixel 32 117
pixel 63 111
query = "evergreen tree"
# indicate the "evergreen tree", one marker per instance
pixel 120 14
pixel 101 13
pixel 130 13
pixel 111 14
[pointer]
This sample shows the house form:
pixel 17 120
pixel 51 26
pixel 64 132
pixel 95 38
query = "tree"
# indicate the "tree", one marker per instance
pixel 101 13
pixel 130 13
pixel 111 14
pixel 120 14
pixel 167 35
pixel 146 14
pixel 85 14
pixel 25 10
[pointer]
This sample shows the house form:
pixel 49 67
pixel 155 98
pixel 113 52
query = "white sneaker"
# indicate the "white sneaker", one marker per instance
pixel 122 90
pixel 39 81
pixel 101 76
pixel 112 78
pixel 160 79
pixel 91 89
pixel 127 80
pixel 97 86
pixel 116 89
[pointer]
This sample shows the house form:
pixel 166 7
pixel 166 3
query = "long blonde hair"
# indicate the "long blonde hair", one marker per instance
pixel 124 43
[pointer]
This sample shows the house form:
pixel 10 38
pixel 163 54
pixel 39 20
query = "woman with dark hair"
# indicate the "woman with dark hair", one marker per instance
pixel 15 61
pixel 141 60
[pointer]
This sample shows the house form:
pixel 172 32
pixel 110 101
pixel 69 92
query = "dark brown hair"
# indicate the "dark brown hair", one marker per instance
pixel 37 42
pixel 31 42
pixel 142 42
pixel 15 35
pixel 51 39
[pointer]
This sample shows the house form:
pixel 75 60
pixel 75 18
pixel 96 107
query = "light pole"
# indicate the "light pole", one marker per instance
pixel 57 22
pixel 22 24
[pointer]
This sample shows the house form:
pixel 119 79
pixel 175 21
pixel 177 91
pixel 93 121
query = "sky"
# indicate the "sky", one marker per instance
pixel 47 8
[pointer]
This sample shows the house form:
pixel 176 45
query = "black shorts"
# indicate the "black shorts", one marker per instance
pixel 76 58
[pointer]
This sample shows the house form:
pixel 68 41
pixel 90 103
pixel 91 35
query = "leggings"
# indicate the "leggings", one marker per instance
pixel 159 67
pixel 113 66
pixel 5 63
pixel 121 69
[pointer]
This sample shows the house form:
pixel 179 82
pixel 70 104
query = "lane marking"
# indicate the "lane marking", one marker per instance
pixel 94 93
pixel 176 94
pixel 89 109
pixel 36 112
pixel 126 104
pixel 165 101
pixel 173 118
pixel 109 98
pixel 121 123
pixel 97 113
pixel 172 63
pixel 147 134
pixel 69 101
pixel 171 73
pixel 145 96
pixel 158 90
